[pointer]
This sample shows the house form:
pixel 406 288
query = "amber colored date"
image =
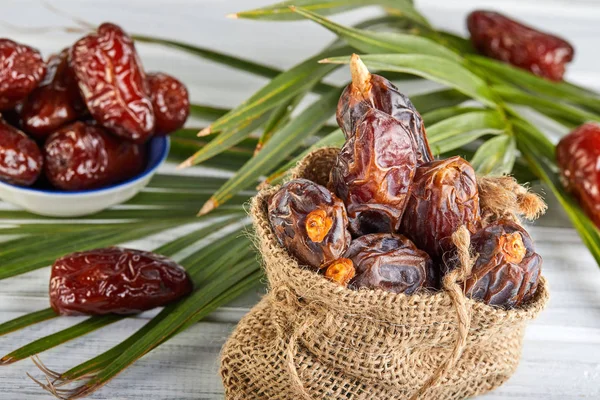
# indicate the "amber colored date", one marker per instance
pixel 340 271
pixel 507 269
pixel 21 70
pixel 374 172
pixel 82 156
pixel 390 262
pixel 310 222
pixel 368 91
pixel 504 39
pixel 113 83
pixel 115 281
pixel 170 101
pixel 55 102
pixel 20 157
pixel 444 196
pixel 578 157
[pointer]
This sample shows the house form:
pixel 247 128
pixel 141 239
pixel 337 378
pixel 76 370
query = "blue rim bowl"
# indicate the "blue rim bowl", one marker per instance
pixel 57 203
pixel 158 150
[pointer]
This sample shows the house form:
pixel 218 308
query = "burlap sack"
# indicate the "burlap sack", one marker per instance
pixel 312 339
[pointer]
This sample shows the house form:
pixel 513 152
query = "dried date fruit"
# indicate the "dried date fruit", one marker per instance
pixel 55 102
pixel 21 70
pixel 113 83
pixel 504 39
pixel 20 157
pixel 390 262
pixel 444 196
pixel 578 157
pixel 115 281
pixel 340 271
pixel 507 269
pixel 368 91
pixel 170 101
pixel 373 174
pixel 82 156
pixel 310 222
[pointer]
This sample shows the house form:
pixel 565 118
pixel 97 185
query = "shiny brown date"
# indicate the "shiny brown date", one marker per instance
pixel 310 222
pixel 504 39
pixel 444 196
pixel 55 102
pixel 170 101
pixel 390 262
pixel 578 157
pixel 507 269
pixel 82 156
pixel 368 91
pixel 21 70
pixel 373 174
pixel 113 83
pixel 20 157
pixel 115 281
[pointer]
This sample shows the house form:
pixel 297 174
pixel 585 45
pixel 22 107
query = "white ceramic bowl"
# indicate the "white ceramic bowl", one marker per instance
pixel 54 203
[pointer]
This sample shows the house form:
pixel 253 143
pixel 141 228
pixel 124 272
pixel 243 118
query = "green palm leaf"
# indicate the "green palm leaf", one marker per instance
pixel 282 144
pixel 558 90
pixel 568 112
pixel 457 131
pixel 430 67
pixel 283 87
pixel 381 42
pixel 281 11
pixel 170 249
pixel 27 320
pixel 89 325
pixel 496 156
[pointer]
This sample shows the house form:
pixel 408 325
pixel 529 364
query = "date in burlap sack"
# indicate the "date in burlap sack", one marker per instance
pixel 312 339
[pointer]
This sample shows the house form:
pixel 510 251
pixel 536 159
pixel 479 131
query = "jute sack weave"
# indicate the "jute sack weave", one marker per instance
pixel 312 339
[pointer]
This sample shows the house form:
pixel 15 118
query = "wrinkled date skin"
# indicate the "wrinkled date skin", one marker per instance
pixel 386 97
pixel 444 196
pixel 21 160
pixel 390 262
pixel 170 101
pixel 499 37
pixel 113 83
pixel 115 281
pixel 373 174
pixel 55 103
pixel 81 156
pixel 310 222
pixel 578 155
pixel 21 70
pixel 507 270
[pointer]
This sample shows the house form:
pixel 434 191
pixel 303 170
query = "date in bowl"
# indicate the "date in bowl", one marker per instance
pixel 56 203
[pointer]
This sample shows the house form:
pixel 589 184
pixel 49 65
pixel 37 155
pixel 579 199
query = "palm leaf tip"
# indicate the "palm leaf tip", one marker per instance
pixel 7 360
pixel 205 132
pixel 210 205
pixel 187 163
pixel 232 16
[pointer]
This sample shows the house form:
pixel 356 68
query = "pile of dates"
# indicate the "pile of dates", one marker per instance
pixel 386 219
pixel 81 119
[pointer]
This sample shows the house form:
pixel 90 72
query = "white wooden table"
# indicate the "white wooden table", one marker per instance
pixel 561 356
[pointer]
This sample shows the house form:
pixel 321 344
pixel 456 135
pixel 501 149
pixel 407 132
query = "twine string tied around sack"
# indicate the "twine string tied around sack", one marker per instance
pixel 451 284
pixel 288 302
